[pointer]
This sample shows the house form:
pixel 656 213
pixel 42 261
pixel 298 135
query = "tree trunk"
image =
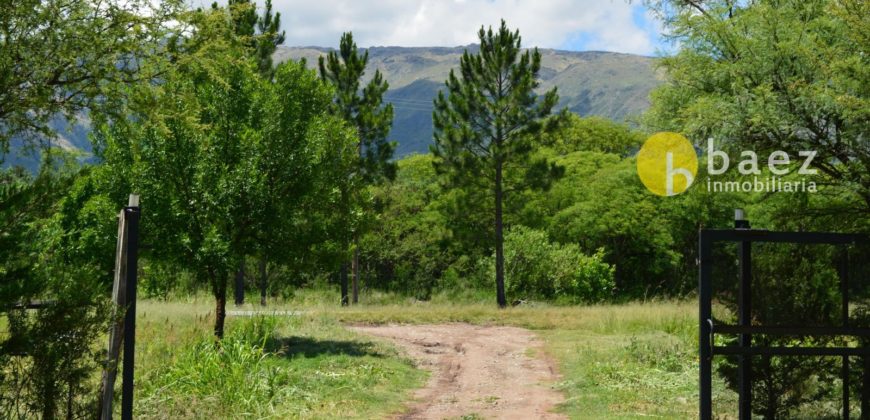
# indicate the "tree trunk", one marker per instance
pixel 343 279
pixel 264 281
pixel 355 269
pixel 220 311
pixel 240 284
pixel 343 270
pixel 499 240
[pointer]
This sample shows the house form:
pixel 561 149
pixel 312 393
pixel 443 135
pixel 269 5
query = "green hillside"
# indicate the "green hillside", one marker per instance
pixel 611 85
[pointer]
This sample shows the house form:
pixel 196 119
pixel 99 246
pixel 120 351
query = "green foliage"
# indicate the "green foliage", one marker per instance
pixel 60 57
pixel 490 116
pixel 225 156
pixel 594 134
pixel 772 75
pixel 405 250
pixel 650 240
pixel 48 356
pixel 780 75
pixel 537 269
pixel 260 33
pixel 63 57
pixel 366 112
pixel 55 377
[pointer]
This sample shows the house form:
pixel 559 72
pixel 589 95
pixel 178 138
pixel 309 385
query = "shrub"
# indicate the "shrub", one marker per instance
pixel 536 268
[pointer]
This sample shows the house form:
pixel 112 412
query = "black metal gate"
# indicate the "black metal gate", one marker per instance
pixel 744 237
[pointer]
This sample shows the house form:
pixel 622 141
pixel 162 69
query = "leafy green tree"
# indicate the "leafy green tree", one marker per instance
pixel 221 162
pixel 300 161
pixel 406 251
pixel 595 134
pixel 63 58
pixel 69 56
pixel 770 75
pixel 261 36
pixel 42 259
pixel 364 109
pixel 488 123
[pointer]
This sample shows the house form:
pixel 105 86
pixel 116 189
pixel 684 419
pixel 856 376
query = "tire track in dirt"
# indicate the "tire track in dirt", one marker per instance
pixel 482 370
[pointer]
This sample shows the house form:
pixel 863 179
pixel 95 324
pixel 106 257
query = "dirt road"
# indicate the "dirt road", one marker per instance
pixel 490 372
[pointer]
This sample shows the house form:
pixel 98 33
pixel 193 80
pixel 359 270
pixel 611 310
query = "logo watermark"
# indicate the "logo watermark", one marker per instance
pixel 667 164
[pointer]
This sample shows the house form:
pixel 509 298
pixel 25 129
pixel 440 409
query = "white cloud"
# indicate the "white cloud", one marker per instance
pixel 579 24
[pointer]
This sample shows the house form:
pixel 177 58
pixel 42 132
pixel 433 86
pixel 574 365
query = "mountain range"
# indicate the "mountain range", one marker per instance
pixel 612 85
pixel 607 84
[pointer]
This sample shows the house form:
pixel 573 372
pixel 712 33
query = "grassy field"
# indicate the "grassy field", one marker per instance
pixel 633 360
pixel 310 367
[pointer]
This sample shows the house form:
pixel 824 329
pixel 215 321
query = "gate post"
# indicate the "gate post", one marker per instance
pixel 705 342
pixel 744 319
pixel 131 212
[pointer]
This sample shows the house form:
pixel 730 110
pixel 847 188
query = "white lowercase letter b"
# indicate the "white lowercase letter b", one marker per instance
pixel 712 154
pixel 670 172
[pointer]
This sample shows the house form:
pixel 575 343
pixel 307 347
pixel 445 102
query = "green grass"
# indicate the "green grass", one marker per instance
pixel 273 367
pixel 632 360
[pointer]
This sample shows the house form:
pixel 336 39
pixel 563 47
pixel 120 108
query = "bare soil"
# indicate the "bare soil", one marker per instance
pixel 483 371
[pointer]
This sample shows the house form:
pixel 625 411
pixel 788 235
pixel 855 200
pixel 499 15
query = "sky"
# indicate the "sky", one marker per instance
pixel 576 25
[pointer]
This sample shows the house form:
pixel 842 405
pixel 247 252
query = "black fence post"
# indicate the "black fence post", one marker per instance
pixel 131 212
pixel 843 272
pixel 744 319
pixel 705 328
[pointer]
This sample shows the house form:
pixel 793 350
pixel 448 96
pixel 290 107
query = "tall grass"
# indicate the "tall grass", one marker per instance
pixel 266 367
pixel 213 373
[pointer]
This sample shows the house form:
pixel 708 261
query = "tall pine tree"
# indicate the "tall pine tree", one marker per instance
pixel 487 125
pixel 365 110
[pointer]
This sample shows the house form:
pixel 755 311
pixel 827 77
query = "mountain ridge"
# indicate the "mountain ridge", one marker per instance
pixel 608 84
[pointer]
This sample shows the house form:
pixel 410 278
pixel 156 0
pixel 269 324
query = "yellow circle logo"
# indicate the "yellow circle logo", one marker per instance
pixel 667 163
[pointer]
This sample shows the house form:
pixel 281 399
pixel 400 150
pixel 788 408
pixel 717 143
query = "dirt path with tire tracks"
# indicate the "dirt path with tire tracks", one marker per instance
pixel 492 372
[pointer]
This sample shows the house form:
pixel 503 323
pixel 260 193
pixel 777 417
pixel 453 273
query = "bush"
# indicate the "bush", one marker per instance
pixel 536 268
pixel 49 357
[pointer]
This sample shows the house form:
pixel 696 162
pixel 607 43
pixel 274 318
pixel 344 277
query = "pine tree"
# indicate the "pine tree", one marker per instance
pixel 262 33
pixel 365 110
pixel 488 123
pixel 269 39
